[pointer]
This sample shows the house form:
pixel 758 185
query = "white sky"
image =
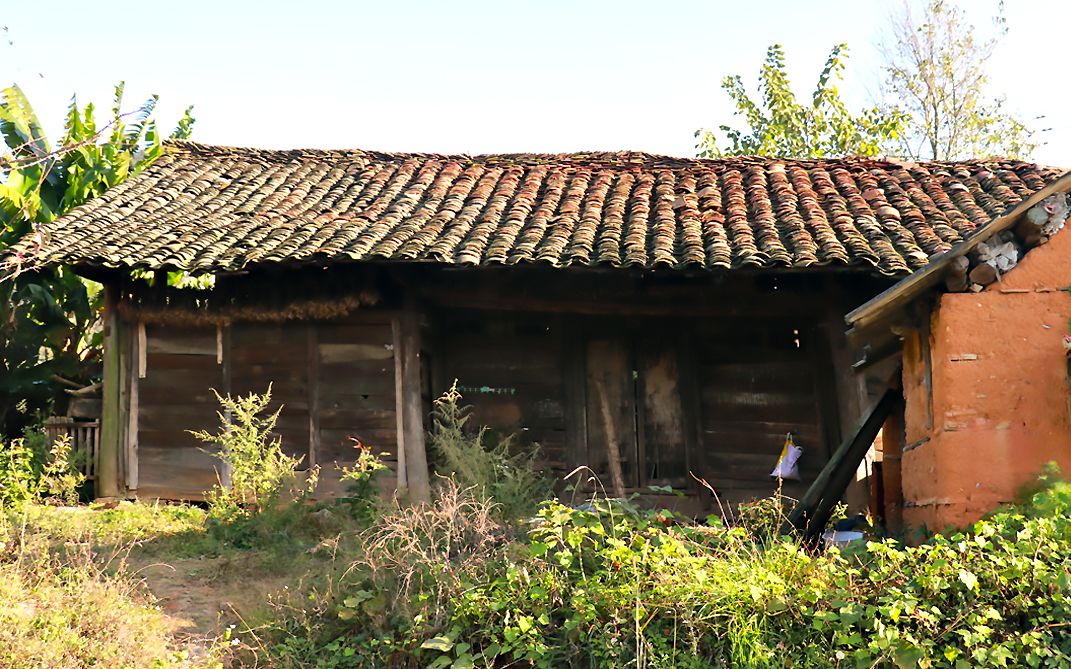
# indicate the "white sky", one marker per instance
pixel 476 77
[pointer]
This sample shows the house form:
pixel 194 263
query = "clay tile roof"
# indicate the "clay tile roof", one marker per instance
pixel 209 209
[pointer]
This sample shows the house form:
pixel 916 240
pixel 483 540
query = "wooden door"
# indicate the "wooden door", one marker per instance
pixel 634 413
pixel 611 414
pixel 661 418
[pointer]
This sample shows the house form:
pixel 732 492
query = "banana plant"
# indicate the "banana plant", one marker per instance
pixel 49 317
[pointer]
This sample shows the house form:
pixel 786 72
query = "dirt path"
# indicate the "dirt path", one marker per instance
pixel 203 595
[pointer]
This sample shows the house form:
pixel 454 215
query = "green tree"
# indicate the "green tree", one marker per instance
pixel 936 72
pixel 780 125
pixel 49 324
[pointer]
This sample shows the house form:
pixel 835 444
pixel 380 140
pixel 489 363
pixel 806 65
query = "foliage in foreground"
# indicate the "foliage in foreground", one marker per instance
pixel 448 585
pixel 256 471
pixel 31 472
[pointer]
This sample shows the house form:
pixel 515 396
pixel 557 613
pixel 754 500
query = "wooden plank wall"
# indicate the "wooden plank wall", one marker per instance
pixel 181 369
pixel 333 381
pixel 510 370
pixel 275 354
pixel 756 383
pixel 356 389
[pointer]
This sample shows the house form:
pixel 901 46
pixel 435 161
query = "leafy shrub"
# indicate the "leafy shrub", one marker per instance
pixel 31 473
pixel 617 587
pixel 451 584
pixel 399 591
pixel 489 470
pixel 362 493
pixel 258 471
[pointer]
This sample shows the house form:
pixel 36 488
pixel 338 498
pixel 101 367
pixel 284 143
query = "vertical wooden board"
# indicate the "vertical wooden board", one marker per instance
pixel 573 397
pixel 107 483
pixel 611 395
pixel 665 458
pixel 314 393
pixel 411 440
pixel 136 372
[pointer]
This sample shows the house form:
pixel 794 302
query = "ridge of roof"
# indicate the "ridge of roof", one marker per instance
pixel 625 158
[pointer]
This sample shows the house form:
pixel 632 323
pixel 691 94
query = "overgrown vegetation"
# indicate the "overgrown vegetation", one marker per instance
pixel 256 473
pixel 32 472
pixel 611 585
pixel 460 583
pixel 62 614
pixel 487 467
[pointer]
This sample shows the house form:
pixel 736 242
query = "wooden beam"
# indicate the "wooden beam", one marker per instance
pixel 108 472
pixel 690 303
pixel 816 506
pixel 412 407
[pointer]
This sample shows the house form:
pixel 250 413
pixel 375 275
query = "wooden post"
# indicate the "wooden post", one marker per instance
pixel 813 510
pixel 412 405
pixel 223 358
pixel 892 441
pixel 402 485
pixel 313 393
pixel 108 473
pixel 135 371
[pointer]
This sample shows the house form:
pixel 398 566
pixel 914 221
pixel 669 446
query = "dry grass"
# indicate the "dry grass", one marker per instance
pixel 432 549
pixel 80 609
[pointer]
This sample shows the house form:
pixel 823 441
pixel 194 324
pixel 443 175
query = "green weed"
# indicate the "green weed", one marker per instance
pixel 487 468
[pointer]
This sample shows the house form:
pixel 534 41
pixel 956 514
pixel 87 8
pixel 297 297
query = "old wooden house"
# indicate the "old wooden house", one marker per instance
pixel 682 315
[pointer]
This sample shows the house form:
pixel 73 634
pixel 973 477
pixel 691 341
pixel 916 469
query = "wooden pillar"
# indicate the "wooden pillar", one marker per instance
pixel 223 359
pixel 402 485
pixel 110 432
pixel 411 404
pixel 893 436
pixel 134 371
pixel 312 341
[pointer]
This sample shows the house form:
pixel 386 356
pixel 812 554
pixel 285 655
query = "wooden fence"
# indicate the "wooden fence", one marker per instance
pixel 85 441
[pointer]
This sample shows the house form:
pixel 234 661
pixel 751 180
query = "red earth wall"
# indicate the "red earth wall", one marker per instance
pixel 999 408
